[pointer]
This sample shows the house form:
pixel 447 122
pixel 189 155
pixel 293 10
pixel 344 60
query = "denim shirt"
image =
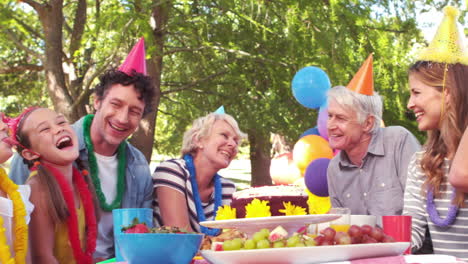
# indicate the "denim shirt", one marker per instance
pixel 138 184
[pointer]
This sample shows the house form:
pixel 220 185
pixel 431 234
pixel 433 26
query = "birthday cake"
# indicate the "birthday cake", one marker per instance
pixel 274 195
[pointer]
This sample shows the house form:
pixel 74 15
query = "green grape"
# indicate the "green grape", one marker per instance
pixel 237 243
pixel 227 245
pixel 249 244
pixel 264 243
pixel 310 243
pixel 265 232
pixel 259 236
pixel 278 244
pixel 300 244
pixel 292 241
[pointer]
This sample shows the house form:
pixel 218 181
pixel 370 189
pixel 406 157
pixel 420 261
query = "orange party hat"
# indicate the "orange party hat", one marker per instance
pixel 363 81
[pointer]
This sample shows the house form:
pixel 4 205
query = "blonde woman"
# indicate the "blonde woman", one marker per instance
pixel 189 190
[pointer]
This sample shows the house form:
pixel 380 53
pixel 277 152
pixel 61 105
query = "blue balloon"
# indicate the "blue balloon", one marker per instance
pixel 310 131
pixel 310 86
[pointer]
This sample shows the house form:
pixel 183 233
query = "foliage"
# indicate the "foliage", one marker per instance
pixel 238 53
pixel 255 47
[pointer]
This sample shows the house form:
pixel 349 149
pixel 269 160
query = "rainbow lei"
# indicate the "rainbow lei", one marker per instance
pixel 20 243
pixel 86 256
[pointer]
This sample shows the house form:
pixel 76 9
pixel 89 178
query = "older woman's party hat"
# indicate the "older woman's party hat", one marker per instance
pixel 447 45
pixel 363 81
pixel 135 60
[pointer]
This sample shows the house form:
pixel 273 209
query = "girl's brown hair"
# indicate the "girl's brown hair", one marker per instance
pixel 443 142
pixel 59 212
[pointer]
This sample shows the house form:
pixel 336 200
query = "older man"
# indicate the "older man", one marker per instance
pixel 369 174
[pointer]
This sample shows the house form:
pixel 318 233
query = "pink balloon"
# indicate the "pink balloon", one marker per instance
pixel 322 122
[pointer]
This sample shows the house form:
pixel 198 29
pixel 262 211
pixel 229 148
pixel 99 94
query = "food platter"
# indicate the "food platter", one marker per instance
pixel 252 225
pixel 305 255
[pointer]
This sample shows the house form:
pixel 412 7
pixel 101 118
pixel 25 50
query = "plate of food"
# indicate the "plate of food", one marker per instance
pixel 306 255
pixel 290 223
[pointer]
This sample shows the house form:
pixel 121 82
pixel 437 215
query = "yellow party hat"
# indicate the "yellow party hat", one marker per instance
pixel 447 45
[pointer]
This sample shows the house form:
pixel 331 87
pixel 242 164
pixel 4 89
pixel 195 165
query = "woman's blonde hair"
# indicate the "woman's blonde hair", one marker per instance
pixel 201 128
pixel 454 120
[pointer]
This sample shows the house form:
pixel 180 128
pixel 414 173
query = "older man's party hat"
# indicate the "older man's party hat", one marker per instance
pixel 363 81
pixel 447 45
pixel 135 60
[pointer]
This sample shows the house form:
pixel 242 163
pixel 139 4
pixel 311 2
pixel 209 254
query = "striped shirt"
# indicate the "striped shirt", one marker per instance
pixel 175 175
pixel 451 240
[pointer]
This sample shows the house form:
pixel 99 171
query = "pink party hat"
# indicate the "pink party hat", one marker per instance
pixel 13 124
pixel 135 60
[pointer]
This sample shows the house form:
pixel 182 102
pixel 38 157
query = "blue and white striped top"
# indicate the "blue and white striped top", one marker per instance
pixel 174 174
pixel 451 240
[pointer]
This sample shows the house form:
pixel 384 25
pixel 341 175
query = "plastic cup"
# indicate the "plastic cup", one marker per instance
pixel 341 224
pixel 124 217
pixel 398 227
pixel 361 220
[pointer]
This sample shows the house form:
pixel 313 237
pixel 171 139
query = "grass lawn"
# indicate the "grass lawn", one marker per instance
pixel 238 171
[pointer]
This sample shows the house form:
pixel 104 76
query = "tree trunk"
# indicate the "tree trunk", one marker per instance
pixel 143 139
pixel 51 16
pixel 260 148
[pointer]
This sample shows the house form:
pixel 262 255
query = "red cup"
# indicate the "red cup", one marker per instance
pixel 398 227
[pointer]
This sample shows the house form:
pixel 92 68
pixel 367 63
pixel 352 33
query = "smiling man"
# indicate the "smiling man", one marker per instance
pixel 369 174
pixel 119 171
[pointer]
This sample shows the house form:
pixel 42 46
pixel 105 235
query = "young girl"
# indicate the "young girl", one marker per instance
pixel 15 209
pixel 63 224
pixel 439 98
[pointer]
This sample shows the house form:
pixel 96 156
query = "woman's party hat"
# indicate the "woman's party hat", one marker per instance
pixel 447 45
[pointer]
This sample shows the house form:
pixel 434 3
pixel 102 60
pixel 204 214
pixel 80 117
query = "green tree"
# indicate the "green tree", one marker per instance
pixel 68 44
pixel 243 54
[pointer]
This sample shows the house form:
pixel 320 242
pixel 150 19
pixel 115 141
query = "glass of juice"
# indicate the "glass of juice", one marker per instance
pixel 341 224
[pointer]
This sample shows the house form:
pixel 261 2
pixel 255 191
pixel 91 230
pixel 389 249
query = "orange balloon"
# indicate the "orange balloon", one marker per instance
pixel 309 148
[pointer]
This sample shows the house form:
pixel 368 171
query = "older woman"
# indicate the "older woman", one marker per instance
pixel 189 190
pixel 439 99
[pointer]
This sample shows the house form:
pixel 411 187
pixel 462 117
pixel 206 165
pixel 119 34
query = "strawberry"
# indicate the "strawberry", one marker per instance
pixel 138 228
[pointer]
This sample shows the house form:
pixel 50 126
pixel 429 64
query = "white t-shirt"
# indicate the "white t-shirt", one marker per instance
pixel 107 167
pixel 6 211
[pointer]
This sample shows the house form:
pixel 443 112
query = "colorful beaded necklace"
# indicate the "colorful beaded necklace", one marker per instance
pixel 218 196
pixel 122 163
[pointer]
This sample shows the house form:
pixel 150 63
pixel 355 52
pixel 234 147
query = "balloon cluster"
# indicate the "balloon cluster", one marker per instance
pixel 312 153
